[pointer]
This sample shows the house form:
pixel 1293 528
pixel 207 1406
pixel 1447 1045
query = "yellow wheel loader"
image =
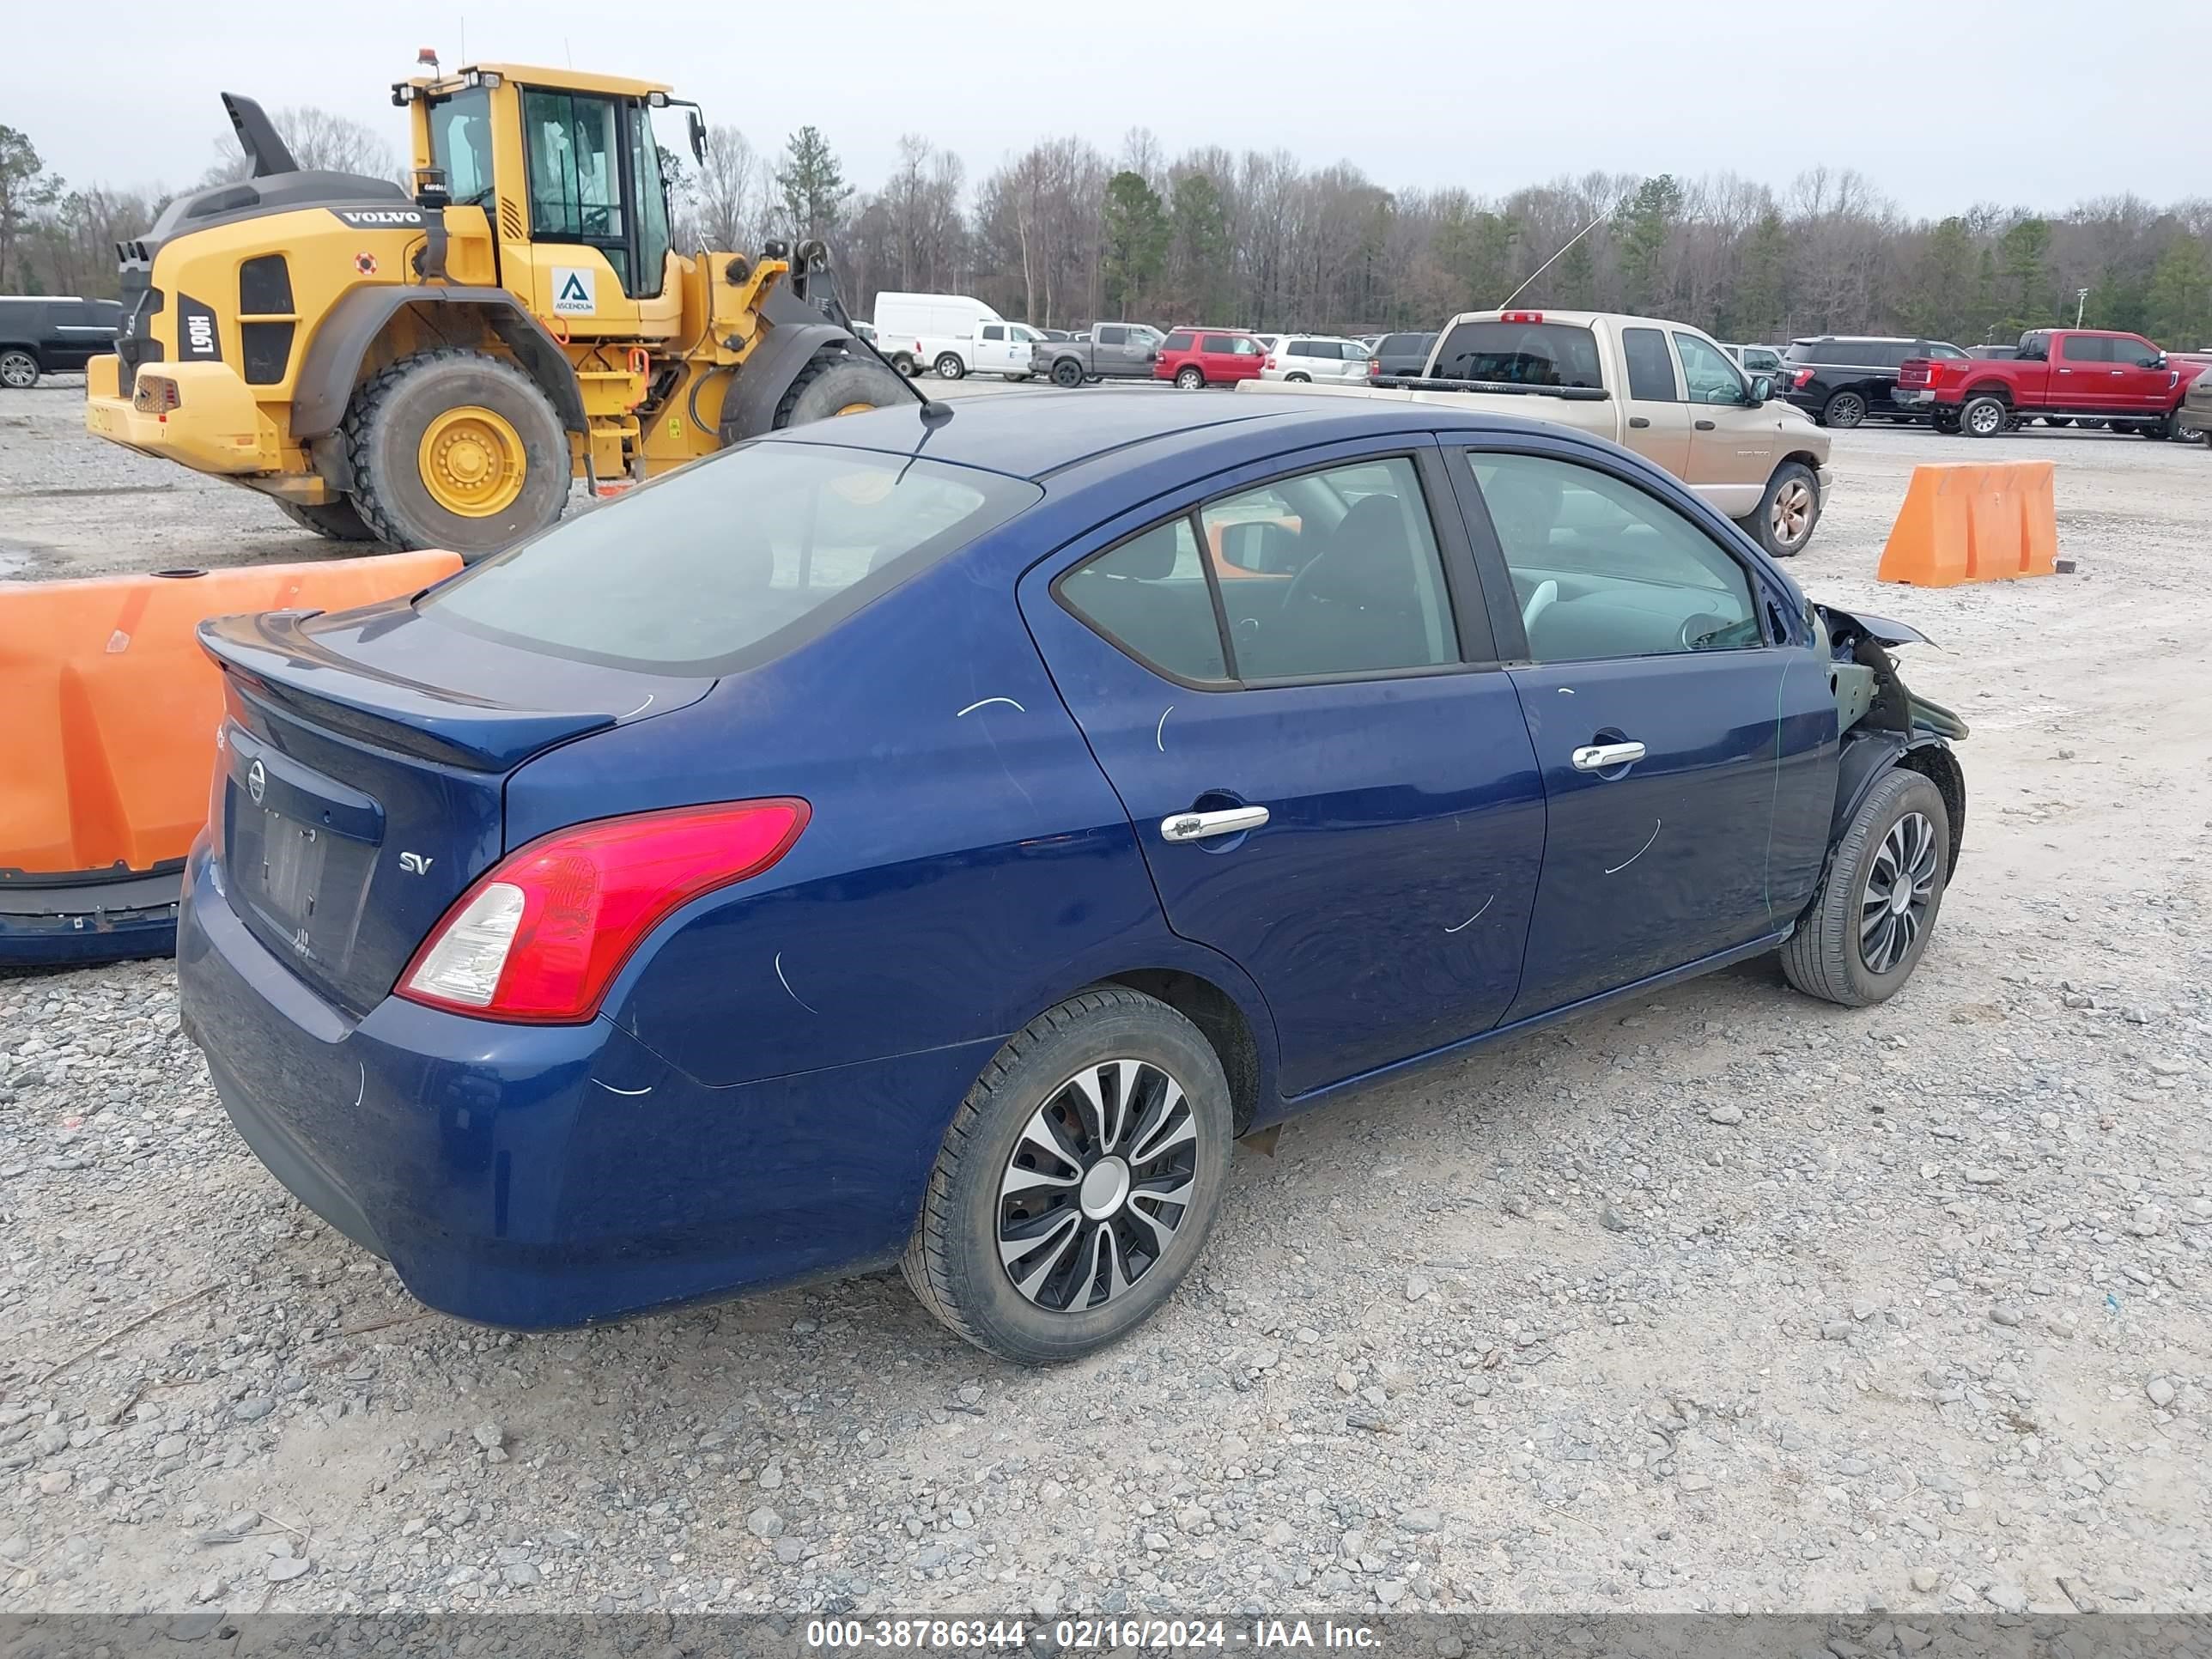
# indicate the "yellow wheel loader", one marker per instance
pixel 433 370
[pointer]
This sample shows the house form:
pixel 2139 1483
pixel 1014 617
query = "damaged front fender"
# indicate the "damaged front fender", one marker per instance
pixel 1868 691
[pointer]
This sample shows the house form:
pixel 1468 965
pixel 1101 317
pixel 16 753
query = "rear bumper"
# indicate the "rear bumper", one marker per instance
pixel 90 921
pixel 1920 401
pixel 534 1177
pixel 216 426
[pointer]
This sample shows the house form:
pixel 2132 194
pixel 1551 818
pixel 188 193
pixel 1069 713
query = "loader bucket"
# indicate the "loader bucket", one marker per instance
pixel 108 751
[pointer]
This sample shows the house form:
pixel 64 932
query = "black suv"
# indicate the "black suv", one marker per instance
pixel 1841 379
pixel 52 336
pixel 1403 354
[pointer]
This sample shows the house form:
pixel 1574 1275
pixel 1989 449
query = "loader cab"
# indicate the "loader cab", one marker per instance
pixel 566 171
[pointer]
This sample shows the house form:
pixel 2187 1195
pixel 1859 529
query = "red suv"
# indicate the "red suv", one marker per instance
pixel 1193 357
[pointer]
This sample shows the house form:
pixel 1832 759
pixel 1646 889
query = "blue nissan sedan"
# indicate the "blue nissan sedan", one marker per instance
pixel 934 839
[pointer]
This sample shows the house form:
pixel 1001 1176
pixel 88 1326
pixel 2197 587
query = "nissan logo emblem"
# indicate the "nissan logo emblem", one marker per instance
pixel 257 782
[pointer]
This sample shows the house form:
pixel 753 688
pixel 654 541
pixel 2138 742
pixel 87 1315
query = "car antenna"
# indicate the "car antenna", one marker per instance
pixel 1554 259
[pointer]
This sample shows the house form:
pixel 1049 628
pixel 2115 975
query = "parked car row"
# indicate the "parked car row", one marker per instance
pixel 1662 388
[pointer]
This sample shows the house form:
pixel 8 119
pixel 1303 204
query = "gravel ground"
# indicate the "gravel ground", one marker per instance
pixel 1727 1300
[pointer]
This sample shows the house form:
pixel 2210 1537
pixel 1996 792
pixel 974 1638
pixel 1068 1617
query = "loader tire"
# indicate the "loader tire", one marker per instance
pixel 456 449
pixel 334 521
pixel 833 384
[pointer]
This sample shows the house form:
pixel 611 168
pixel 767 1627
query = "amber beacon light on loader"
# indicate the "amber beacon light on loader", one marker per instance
pixel 434 370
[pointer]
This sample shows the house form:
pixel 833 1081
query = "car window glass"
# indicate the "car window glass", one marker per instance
pixel 2084 349
pixel 1710 377
pixel 992 332
pixel 1113 337
pixel 1244 347
pixel 2137 354
pixel 1601 569
pixel 1356 584
pixel 1149 595
pixel 1299 348
pixel 1651 371
pixel 1213 343
pixel 1179 341
pixel 1945 352
pixel 685 573
pixel 1521 353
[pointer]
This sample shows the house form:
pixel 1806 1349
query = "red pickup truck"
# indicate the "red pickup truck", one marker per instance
pixel 2081 373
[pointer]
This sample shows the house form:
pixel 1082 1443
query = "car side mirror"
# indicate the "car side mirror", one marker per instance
pixel 2158 362
pixel 1762 388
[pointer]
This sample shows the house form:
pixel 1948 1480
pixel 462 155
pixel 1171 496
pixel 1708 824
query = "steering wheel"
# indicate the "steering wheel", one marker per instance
pixel 1546 596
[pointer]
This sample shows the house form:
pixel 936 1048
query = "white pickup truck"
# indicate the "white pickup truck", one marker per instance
pixel 1664 389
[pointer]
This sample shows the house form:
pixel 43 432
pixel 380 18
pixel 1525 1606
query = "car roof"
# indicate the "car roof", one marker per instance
pixel 1036 434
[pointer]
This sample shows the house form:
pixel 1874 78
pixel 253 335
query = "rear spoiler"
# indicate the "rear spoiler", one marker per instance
pixel 1577 394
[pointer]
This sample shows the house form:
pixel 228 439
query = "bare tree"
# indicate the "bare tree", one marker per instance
pixel 728 207
pixel 319 142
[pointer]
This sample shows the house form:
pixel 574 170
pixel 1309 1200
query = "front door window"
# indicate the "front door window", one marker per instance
pixel 575 142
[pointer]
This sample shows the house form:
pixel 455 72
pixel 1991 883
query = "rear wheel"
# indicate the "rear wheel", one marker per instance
pixel 2161 429
pixel 950 367
pixel 1946 421
pixel 1307 378
pixel 19 370
pixel 1067 373
pixel 1845 409
pixel 456 449
pixel 1868 926
pixel 336 520
pixel 834 383
pixel 1983 416
pixel 1190 377
pixel 1078 1181
pixel 1017 378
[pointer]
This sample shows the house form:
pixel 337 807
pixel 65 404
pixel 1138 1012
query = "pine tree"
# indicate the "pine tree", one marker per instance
pixel 1649 225
pixel 2027 287
pixel 1136 237
pixel 2177 309
pixel 1940 304
pixel 813 186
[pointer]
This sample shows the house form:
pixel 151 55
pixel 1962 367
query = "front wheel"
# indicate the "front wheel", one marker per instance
pixel 1078 1181
pixel 1788 512
pixel 1190 379
pixel 1984 417
pixel 19 370
pixel 1846 409
pixel 1868 926
pixel 950 367
pixel 834 383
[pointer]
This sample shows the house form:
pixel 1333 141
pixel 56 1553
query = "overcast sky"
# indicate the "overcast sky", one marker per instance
pixel 2072 100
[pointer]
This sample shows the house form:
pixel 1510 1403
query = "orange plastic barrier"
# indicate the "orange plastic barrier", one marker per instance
pixel 1963 522
pixel 108 745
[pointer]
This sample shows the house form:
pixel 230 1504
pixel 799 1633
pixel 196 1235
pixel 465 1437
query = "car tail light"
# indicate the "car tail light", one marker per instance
pixel 1270 363
pixel 541 935
pixel 1373 365
pixel 1798 378
pixel 156 394
pixel 1521 317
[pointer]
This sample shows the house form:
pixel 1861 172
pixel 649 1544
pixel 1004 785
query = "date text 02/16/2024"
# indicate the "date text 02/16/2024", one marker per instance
pixel 1083 1635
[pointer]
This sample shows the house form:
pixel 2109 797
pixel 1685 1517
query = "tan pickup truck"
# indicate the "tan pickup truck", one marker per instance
pixel 1662 388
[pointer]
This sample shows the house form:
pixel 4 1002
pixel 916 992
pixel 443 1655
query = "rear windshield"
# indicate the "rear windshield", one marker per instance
pixel 731 560
pixel 1521 354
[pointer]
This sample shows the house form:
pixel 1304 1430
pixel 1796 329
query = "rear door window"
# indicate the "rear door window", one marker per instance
pixel 2085 348
pixel 1109 336
pixel 1521 353
pixel 1178 341
pixel 1149 596
pixel 730 561
pixel 1650 369
pixel 1222 344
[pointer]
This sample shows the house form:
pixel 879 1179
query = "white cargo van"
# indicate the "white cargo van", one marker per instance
pixel 942 327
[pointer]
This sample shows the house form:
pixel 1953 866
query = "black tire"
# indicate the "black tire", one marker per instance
pixel 1190 377
pixel 1308 378
pixel 1983 416
pixel 1947 424
pixel 2058 420
pixel 949 367
pixel 953 1262
pixel 334 521
pixel 1825 957
pixel 832 384
pixel 904 362
pixel 2160 429
pixel 1788 512
pixel 19 369
pixel 1846 409
pixel 1067 373
pixel 384 429
pixel 2095 426
pixel 1014 379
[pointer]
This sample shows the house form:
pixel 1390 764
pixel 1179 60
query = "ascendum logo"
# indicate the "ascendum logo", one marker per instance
pixel 575 290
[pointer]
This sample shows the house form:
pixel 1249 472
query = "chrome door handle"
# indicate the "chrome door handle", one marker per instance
pixel 1604 756
pixel 1198 826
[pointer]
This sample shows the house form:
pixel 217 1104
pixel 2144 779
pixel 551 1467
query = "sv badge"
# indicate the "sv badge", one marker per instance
pixel 415 864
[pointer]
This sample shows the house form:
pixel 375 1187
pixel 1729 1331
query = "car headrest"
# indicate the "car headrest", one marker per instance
pixel 1367 561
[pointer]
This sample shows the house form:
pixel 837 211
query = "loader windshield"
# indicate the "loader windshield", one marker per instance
pixel 460 144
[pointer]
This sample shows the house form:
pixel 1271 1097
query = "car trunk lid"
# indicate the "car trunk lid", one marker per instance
pixel 361 772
